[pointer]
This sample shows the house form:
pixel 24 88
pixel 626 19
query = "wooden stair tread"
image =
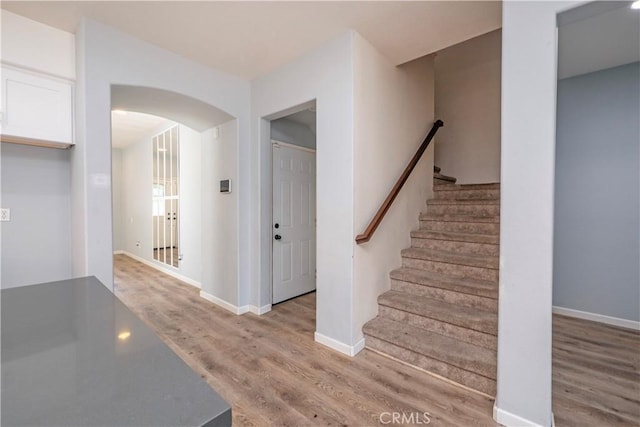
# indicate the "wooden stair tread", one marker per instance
pixel 456 237
pixel 483 288
pixel 466 317
pixel 471 260
pixel 439 347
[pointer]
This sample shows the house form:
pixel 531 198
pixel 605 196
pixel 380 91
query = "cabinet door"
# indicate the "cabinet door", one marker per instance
pixel 36 106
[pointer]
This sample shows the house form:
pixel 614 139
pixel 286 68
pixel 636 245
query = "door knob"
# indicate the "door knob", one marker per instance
pixel 277 225
pixel 277 237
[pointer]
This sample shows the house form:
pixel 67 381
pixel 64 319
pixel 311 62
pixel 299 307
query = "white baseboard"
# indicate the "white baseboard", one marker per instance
pixel 349 350
pixel 118 252
pixel 260 310
pixel 224 304
pixel 512 420
pixel 164 270
pixel 614 321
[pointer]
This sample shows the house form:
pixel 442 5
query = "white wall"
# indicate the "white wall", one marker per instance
pixel 393 113
pixel 106 56
pixel 191 181
pixel 529 58
pixel 36 243
pixel 467 81
pixel 117 187
pixel 326 75
pixel 220 213
pixel 36 46
pixel 285 130
pixel 135 214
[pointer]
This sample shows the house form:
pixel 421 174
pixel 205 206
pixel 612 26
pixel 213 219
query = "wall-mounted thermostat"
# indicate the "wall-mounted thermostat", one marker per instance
pixel 225 186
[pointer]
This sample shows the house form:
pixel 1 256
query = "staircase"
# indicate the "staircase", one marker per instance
pixel 441 312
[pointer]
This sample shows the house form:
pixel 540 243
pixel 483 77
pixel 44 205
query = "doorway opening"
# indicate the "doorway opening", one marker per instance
pixel 169 152
pixel 293 154
pixel 596 281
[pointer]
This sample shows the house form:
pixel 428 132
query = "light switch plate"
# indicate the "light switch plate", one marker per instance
pixel 5 214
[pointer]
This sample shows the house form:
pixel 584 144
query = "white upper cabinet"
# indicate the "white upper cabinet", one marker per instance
pixel 36 108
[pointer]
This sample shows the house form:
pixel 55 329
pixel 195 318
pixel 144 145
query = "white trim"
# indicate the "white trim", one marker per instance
pixel 164 270
pixel 349 350
pixel 275 143
pixel 512 420
pixel 119 252
pixel 224 304
pixel 234 308
pixel 260 310
pixel 615 321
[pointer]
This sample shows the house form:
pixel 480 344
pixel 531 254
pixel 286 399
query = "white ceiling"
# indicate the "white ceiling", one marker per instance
pixel 251 38
pixel 133 127
pixel 598 42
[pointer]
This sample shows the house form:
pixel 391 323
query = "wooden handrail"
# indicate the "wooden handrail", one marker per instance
pixel 366 235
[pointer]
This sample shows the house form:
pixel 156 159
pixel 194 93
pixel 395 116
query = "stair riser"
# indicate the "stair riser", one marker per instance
pixel 468 194
pixel 451 297
pixel 453 270
pixel 470 336
pixel 456 247
pixel 461 227
pixel 474 210
pixel 461 376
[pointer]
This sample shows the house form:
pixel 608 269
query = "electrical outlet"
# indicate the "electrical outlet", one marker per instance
pixel 5 214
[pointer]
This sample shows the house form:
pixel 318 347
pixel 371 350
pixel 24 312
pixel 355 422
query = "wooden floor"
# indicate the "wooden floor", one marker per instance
pixel 596 374
pixel 272 372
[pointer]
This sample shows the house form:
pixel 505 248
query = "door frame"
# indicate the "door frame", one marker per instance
pixel 296 147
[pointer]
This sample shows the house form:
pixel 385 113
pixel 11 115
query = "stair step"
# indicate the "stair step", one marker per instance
pixel 465 317
pixel 428 216
pixel 464 363
pixel 443 179
pixel 451 264
pixel 462 259
pixel 456 237
pixel 424 281
pixel 430 324
pixel 436 169
pixel 466 192
pixel 465 209
pixel 488 249
pixel 464 227
pixel 463 201
pixel 466 187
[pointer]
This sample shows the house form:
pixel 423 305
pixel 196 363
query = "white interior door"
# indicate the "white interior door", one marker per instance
pixel 294 221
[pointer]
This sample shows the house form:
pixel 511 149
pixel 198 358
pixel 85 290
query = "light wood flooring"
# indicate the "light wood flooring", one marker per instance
pixel 596 374
pixel 273 373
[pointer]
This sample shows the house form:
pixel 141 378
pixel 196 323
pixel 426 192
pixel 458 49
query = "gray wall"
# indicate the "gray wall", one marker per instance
pixel 596 245
pixel 36 243
pixel 291 132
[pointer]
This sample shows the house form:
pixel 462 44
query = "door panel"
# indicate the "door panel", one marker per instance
pixel 294 212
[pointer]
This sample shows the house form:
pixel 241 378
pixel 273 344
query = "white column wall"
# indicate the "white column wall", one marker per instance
pixel 529 79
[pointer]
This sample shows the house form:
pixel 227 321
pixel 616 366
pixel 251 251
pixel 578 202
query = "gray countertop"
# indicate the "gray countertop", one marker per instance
pixel 74 355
